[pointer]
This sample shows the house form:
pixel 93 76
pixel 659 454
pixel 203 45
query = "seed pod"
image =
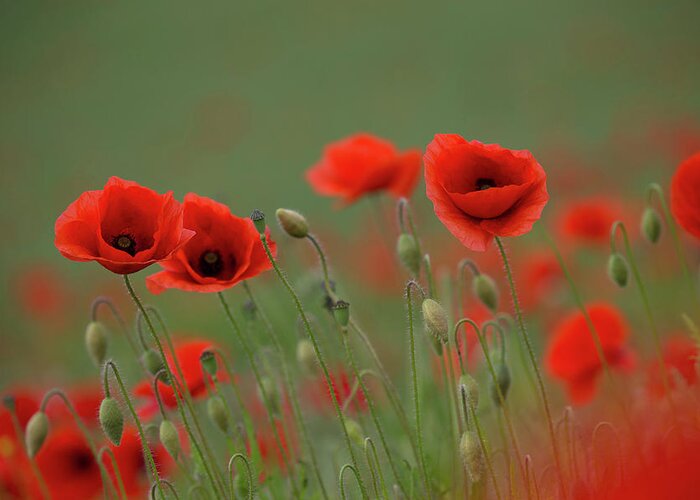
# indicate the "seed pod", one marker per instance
pixel 292 222
pixel 502 382
pixel 486 290
pixel 617 269
pixel 216 409
pixel 355 432
pixel 36 432
pixel 341 312
pixel 472 455
pixel 651 225
pixel 258 219
pixel 435 320
pixel 169 438
pixel 96 342
pixel 306 356
pixel 471 389
pixel 153 362
pixel 208 361
pixel 409 254
pixel 272 393
pixel 111 420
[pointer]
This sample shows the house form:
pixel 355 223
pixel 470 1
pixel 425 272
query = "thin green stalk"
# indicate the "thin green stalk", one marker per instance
pixel 533 361
pixel 251 490
pixel 374 458
pixel 117 315
pixel 43 488
pixel 115 467
pixel 340 478
pixel 263 392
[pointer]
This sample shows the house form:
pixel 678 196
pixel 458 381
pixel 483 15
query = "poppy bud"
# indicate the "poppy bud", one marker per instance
pixel 651 225
pixel 111 420
pixel 169 438
pixel 306 356
pixel 150 431
pixel 355 432
pixel 617 269
pixel 36 432
pixel 472 456
pixel 152 361
pixel 341 311
pixel 470 388
pixel 409 254
pixel 271 392
pixel 258 219
pixel 293 223
pixel 96 342
pixel 502 382
pixel 208 361
pixel 216 409
pixel 435 320
pixel 487 292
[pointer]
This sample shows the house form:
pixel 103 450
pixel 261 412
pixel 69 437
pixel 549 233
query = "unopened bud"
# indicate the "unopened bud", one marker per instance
pixel 435 320
pixel 216 409
pixel 341 312
pixel 409 254
pixel 208 361
pixel 470 388
pixel 472 455
pixel 258 219
pixel 502 382
pixel 96 342
pixel 111 420
pixel 617 269
pixel 293 223
pixel 36 432
pixel 268 390
pixel 651 225
pixel 486 290
pixel 306 356
pixel 169 438
pixel 355 432
pixel 152 361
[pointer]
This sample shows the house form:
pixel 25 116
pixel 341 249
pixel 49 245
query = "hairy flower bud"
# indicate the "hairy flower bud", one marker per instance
pixel 216 409
pixel 435 320
pixel 306 356
pixel 472 455
pixel 409 254
pixel 152 361
pixel 617 269
pixel 208 361
pixel 111 420
pixel 341 312
pixel 293 223
pixel 651 225
pixel 487 292
pixel 96 342
pixel 169 438
pixel 502 382
pixel 36 432
pixel 258 219
pixel 470 388
pixel 355 432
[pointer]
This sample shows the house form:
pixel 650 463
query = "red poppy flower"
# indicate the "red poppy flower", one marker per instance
pixel 125 227
pixel 685 195
pixel 319 396
pixel 590 220
pixel 680 355
pixel 269 449
pixel 86 399
pixel 572 356
pixel 225 251
pixel 362 164
pixel 480 191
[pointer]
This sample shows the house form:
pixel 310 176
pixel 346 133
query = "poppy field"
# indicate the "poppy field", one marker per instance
pixel 379 290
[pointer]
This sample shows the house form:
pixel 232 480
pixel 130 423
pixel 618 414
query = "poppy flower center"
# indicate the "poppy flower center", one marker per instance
pixel 482 184
pixel 125 243
pixel 210 263
pixel 81 460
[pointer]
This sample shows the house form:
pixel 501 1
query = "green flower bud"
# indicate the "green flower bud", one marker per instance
pixel 651 225
pixel 96 342
pixel 471 389
pixel 502 382
pixel 355 432
pixel 36 432
pixel 341 312
pixel 258 219
pixel 487 292
pixel 153 362
pixel 216 409
pixel 169 437
pixel 617 269
pixel 293 223
pixel 111 420
pixel 208 361
pixel 472 455
pixel 306 356
pixel 409 254
pixel 435 320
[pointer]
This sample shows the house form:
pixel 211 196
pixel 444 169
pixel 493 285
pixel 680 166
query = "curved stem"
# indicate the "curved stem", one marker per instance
pixel 340 478
pixel 618 443
pixel 245 461
pixel 115 467
pixel 405 208
pixel 533 361
pixel 170 487
pixel 19 432
pixel 101 300
pixel 370 444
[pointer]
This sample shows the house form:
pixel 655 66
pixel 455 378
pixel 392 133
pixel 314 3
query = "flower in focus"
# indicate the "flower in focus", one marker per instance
pixel 685 195
pixel 362 164
pixel 125 227
pixel 680 355
pixel 225 251
pixel 480 191
pixel 572 357
pixel 589 220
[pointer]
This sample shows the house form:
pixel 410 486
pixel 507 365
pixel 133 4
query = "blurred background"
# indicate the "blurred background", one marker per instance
pixel 234 100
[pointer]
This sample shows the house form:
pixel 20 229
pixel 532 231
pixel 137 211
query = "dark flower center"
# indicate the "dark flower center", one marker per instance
pixel 125 243
pixel 482 184
pixel 81 461
pixel 210 263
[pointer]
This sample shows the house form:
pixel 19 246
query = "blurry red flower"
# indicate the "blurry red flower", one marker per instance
pixel 86 399
pixel 362 164
pixel 125 227
pixel 40 292
pixel 589 220
pixel 269 449
pixel 318 395
pixel 480 191
pixel 225 251
pixel 541 278
pixel 685 195
pixel 680 355
pixel 572 356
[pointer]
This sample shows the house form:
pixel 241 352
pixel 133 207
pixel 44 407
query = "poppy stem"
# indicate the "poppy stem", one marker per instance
pixel 249 473
pixel 172 381
pixel 317 350
pixel 117 315
pixel 340 478
pixel 371 461
pixel 115 466
pixel 533 361
pixel 263 392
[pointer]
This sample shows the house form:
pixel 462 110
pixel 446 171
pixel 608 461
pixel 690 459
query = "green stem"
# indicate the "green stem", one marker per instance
pixel 374 458
pixel 340 478
pixel 43 488
pixel 249 471
pixel 115 467
pixel 117 315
